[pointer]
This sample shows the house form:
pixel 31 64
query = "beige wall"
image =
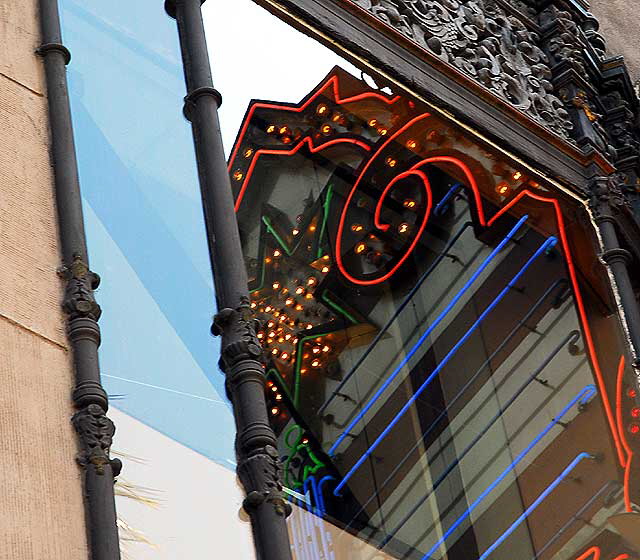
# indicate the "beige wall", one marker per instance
pixel 619 25
pixel 42 512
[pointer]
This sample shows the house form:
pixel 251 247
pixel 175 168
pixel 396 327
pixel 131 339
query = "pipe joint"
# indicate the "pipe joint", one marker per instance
pixel 618 255
pixel 45 48
pixel 191 99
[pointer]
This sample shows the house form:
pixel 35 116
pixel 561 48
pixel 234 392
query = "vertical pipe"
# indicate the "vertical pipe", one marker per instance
pixel 95 430
pixel 241 360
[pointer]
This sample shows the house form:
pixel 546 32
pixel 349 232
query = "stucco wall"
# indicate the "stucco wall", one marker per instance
pixel 619 23
pixel 42 511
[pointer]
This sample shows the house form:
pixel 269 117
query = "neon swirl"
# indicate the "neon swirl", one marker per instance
pixel 623 437
pixel 546 245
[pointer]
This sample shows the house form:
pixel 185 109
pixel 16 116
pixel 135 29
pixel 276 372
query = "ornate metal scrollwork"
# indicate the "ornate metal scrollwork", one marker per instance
pixel 486 43
pixel 96 432
pixel 79 301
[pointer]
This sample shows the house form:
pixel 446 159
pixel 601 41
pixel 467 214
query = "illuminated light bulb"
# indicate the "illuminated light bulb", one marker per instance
pixel 275 411
pixel 326 348
pixel 326 129
pixel 409 203
pixel 336 118
pixel 277 253
pixel 391 162
pixel 269 383
pixel 299 290
pixel 315 350
pixel 269 340
pixel 325 269
pixel 535 185
pixel 299 307
pixel 284 356
pixel 325 258
pixel 360 248
pixel 411 144
pixel 238 175
pixel 271 129
pixel 272 334
pixel 287 336
pixel 295 232
pixel 634 428
pixel 373 122
pixel 295 341
pixel 276 314
pixel 305 441
pixel 278 397
pixel 285 290
pixel 357 227
pixel 248 153
pixel 315 363
pixel 283 318
pixel 312 228
pixel 253 305
pixel 289 301
pixel 517 176
pixel 309 326
pixel 382 131
pixel 635 412
pixel 632 393
pixel 403 227
pixel 309 295
pixel 284 130
pixel 311 281
pixel 303 371
pixel 502 188
pixel 281 340
pixel 270 324
pixel 274 351
pixel 274 388
pixel 267 260
pixel 260 335
pixel 268 309
pixel 322 109
pixel 276 285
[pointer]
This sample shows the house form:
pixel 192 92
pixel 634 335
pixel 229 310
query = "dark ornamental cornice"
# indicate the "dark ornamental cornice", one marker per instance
pixel 485 42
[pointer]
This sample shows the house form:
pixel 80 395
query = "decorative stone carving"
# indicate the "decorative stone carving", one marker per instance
pixel 96 433
pixel 479 38
pixel 79 301
pixel 260 475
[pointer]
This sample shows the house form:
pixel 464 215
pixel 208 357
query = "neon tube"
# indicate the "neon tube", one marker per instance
pixel 424 336
pixel 550 242
pixel 594 552
pixel 446 198
pixel 623 437
pixel 581 398
pixel 397 312
pixel 500 347
pixel 501 410
pixel 579 458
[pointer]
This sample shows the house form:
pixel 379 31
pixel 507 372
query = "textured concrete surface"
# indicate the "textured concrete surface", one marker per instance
pixel 42 506
pixel 619 22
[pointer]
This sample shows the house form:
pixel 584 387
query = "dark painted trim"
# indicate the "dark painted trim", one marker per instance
pixel 242 358
pixel 94 429
pixel 358 36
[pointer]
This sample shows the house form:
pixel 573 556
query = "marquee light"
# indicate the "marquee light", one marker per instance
pixel 541 250
pixel 487 261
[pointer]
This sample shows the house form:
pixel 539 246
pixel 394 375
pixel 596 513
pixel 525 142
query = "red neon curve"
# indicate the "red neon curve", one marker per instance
pixel 623 437
pixel 306 140
pixel 425 182
pixel 594 550
pixel 623 557
pixel 332 82
pixel 338 249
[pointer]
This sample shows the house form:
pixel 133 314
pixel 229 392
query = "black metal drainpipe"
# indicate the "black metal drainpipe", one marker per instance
pixel 241 359
pixel 605 196
pixel 94 429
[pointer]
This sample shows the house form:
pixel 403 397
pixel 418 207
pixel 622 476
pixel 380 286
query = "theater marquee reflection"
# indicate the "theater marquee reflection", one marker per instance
pixel 442 368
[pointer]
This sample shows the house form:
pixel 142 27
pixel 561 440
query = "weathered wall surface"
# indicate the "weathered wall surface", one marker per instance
pixel 619 24
pixel 42 512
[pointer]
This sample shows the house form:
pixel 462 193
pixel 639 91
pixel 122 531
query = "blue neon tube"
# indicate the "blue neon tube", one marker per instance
pixel 397 312
pixel 581 398
pixel 446 198
pixel 573 335
pixel 550 242
pixel 535 504
pixel 522 322
pixel 424 336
